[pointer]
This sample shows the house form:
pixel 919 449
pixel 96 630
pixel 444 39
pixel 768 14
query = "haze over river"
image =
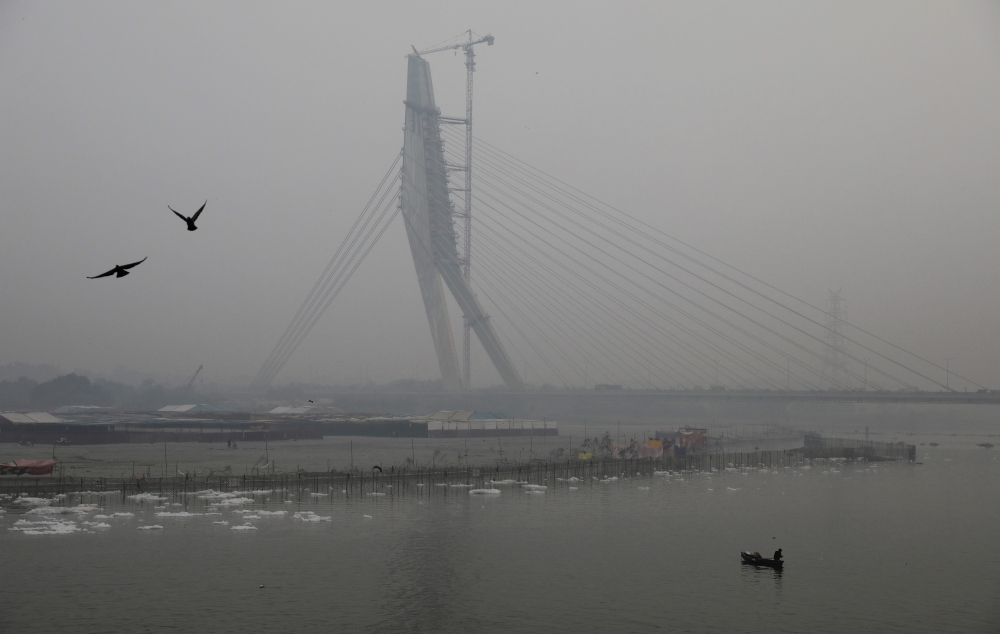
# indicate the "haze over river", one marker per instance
pixel 870 547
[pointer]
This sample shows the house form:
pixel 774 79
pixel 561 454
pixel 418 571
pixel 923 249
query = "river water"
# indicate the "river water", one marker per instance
pixel 870 547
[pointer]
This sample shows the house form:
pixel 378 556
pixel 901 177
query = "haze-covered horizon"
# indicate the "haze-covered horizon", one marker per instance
pixel 817 147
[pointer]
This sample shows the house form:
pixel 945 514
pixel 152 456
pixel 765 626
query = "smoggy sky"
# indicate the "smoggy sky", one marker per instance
pixel 816 145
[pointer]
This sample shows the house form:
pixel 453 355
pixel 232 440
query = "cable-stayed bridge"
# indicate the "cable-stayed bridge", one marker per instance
pixel 565 292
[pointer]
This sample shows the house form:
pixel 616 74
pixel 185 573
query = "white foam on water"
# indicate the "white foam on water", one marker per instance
pixel 271 513
pixel 534 492
pixel 178 514
pixel 97 524
pixel 420 484
pixel 102 517
pixel 244 527
pixel 309 516
pixel 30 501
pixel 222 522
pixel 440 484
pixel 367 517
pixel 731 489
pixel 574 488
pixel 63 510
pixel 609 480
pixel 152 527
pixel 45 527
pixel 377 494
pixel 503 482
pixel 319 495
pixel 534 487
pixel 234 501
pixel 572 479
pixel 644 488
pixel 147 497
pixel 125 514
pixel 661 473
pixel 461 486
pixel 485 492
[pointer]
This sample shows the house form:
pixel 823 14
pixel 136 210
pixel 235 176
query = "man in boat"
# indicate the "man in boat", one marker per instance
pixel 777 555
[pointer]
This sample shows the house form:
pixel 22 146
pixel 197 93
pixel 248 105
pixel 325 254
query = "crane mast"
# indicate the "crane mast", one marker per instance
pixel 470 67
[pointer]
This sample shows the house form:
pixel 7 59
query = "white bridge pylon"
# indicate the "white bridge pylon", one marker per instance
pixel 430 227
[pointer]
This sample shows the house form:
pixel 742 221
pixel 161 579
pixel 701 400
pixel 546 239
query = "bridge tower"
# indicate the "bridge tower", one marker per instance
pixel 429 216
pixel 835 344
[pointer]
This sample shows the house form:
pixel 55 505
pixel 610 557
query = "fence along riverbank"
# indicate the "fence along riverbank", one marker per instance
pixel 534 472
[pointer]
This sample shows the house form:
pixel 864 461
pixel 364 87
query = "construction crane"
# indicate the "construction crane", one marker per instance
pixel 194 376
pixel 470 66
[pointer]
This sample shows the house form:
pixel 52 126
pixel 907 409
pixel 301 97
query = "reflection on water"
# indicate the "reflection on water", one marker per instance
pixel 636 554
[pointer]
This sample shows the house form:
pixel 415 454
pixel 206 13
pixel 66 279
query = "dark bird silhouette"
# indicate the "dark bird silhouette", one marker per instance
pixel 189 221
pixel 377 467
pixel 310 400
pixel 119 270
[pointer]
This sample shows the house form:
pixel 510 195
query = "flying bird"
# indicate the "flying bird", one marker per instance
pixel 189 221
pixel 119 270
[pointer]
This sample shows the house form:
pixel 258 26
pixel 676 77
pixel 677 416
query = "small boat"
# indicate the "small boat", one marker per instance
pixel 754 560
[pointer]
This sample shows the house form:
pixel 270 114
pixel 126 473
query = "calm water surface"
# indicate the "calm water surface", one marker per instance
pixel 887 548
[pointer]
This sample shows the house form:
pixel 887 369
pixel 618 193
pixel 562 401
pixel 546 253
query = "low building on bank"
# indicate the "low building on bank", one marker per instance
pixel 469 424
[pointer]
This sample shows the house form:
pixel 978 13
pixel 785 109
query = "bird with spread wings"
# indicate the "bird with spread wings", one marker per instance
pixel 120 270
pixel 189 221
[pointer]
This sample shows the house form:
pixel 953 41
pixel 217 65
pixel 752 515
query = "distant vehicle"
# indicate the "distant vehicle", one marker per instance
pixel 754 560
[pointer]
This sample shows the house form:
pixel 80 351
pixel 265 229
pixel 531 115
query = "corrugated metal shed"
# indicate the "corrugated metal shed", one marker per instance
pixel 30 417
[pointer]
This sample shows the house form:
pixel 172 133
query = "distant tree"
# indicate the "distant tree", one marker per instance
pixel 69 389
pixel 16 394
pixel 601 445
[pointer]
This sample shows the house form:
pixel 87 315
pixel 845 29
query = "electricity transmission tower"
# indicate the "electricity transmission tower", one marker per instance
pixel 470 67
pixel 835 344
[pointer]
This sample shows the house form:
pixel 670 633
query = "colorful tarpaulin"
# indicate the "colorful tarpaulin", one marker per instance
pixel 21 466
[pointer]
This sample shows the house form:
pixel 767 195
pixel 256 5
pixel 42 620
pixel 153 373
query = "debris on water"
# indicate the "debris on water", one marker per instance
pixel 153 527
pixel 244 527
pixel 484 492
